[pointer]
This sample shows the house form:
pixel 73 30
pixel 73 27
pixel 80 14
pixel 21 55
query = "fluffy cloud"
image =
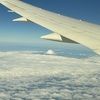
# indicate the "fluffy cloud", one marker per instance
pixel 29 76
pixel 50 52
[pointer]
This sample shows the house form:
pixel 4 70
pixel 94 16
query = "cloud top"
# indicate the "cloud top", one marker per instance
pixel 25 75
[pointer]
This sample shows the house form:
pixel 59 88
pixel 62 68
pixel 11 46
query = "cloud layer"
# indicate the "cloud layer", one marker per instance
pixel 29 76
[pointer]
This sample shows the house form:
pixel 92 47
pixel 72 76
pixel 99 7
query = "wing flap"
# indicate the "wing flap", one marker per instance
pixel 21 19
pixel 58 37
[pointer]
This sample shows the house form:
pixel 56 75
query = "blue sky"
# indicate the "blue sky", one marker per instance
pixel 88 10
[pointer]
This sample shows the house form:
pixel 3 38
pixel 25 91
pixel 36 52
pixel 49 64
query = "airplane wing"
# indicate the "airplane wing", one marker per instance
pixel 65 29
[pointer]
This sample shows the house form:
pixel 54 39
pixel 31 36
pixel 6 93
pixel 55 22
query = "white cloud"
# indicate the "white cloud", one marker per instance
pixel 50 52
pixel 25 75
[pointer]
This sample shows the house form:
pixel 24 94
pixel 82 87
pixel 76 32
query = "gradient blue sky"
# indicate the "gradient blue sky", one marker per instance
pixel 88 10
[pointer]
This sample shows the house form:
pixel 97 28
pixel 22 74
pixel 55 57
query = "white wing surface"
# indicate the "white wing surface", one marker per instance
pixel 65 29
